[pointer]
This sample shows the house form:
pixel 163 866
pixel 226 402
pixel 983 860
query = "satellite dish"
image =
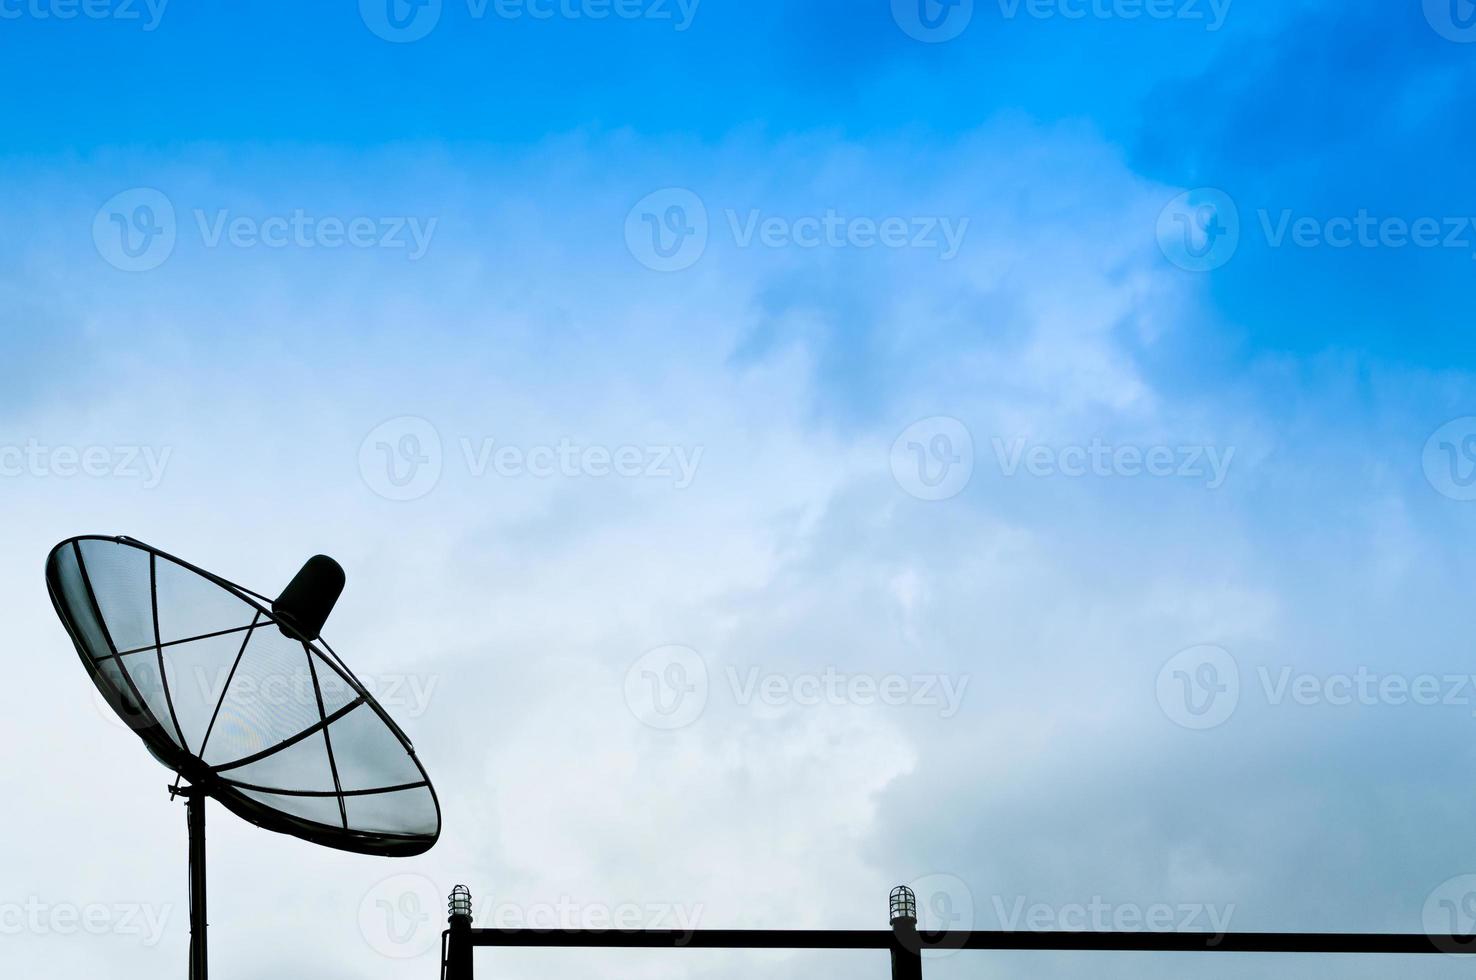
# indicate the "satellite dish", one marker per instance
pixel 240 695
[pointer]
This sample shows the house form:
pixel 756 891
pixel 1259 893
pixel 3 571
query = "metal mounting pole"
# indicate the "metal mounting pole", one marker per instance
pixel 458 944
pixel 906 943
pixel 195 814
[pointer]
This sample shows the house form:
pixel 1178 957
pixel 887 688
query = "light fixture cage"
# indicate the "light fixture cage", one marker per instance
pixel 903 904
pixel 460 903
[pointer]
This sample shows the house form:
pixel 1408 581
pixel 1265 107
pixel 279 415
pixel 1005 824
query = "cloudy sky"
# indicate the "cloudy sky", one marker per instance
pixel 778 450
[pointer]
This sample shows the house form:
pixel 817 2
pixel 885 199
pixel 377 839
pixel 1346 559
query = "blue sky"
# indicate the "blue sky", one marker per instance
pixel 862 301
pixel 1318 109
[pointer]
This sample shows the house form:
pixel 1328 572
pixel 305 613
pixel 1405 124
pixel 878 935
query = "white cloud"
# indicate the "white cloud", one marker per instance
pixel 794 549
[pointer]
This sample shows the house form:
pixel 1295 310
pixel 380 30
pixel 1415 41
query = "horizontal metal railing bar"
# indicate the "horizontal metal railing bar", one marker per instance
pixel 686 938
pixel 1146 942
pixel 1188 942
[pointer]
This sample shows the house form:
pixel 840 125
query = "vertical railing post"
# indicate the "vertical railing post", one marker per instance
pixel 195 818
pixel 906 943
pixel 458 935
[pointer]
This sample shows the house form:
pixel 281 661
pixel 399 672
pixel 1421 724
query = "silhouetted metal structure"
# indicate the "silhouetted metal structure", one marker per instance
pixel 906 942
pixel 292 741
pixel 195 819
pixel 906 945
pixel 456 954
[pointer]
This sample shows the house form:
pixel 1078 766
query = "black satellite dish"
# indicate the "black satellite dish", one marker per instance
pixel 240 695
